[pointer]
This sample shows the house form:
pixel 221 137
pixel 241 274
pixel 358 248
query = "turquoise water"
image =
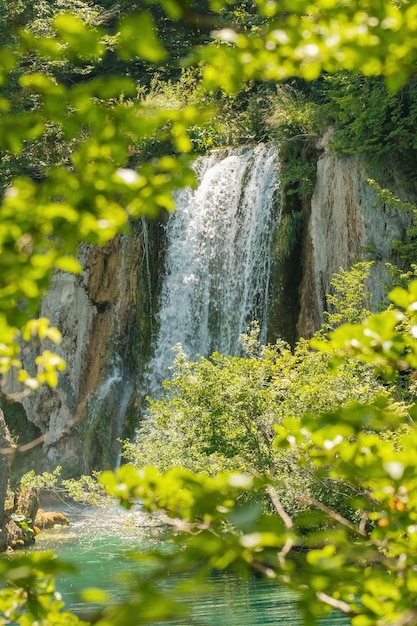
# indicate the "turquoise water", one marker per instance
pixel 96 542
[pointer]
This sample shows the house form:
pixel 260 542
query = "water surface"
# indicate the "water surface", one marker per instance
pixel 97 541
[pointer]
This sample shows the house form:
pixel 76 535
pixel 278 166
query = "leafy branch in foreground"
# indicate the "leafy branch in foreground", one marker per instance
pixel 364 566
pixel 85 489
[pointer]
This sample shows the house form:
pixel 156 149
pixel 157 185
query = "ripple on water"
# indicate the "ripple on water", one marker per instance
pixel 97 541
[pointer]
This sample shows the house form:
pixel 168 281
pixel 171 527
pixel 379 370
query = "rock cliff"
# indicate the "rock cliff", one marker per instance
pixel 5 460
pixel 96 312
pixel 105 316
pixel 347 223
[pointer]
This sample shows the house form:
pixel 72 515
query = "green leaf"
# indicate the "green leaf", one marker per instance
pixel 7 62
pixel 68 264
pixel 400 297
pixel 95 595
pixel 82 41
pixel 42 84
pixel 173 8
pixel 138 38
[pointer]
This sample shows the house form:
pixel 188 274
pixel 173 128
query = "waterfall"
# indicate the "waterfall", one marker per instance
pixel 218 258
pixel 109 403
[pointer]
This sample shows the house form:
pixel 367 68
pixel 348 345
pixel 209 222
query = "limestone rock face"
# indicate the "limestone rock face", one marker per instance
pixel 347 223
pixel 82 419
pixel 5 459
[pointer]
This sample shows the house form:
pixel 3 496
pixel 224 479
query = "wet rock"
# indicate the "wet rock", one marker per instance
pixel 50 519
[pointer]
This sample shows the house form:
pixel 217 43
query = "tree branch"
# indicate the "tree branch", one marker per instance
pixel 339 605
pixel 279 508
pixel 337 517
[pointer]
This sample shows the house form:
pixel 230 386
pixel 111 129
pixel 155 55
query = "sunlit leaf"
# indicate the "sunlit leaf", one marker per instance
pixel 138 38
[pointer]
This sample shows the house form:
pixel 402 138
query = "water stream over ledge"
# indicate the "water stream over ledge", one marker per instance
pixel 97 540
pixel 217 269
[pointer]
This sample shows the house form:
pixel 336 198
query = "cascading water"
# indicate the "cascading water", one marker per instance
pixel 218 259
pixel 109 404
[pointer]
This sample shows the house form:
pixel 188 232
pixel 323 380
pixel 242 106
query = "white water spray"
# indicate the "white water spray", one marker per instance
pixel 218 260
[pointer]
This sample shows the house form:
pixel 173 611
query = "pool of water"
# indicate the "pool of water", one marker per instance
pixel 97 541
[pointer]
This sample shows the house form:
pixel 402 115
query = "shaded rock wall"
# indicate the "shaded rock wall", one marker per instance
pixel 347 223
pixel 5 460
pixel 96 313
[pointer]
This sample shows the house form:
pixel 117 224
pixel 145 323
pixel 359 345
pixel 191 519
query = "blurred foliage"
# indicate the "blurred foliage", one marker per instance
pixel 69 126
pixel 362 565
pixel 30 596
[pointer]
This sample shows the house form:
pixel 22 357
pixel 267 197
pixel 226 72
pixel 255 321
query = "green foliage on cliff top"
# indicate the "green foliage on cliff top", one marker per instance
pixel 370 120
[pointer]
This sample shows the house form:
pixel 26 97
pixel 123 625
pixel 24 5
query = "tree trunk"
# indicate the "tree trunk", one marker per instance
pixel 5 461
